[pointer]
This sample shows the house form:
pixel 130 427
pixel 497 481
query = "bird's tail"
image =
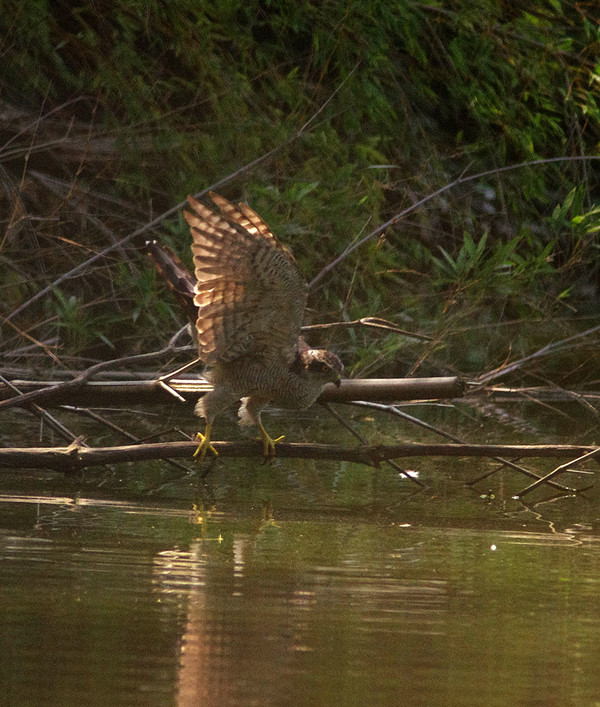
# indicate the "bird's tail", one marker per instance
pixel 175 275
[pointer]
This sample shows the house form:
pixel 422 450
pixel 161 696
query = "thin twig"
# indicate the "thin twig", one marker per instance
pixel 38 120
pixel 46 417
pixel 66 194
pixel 120 431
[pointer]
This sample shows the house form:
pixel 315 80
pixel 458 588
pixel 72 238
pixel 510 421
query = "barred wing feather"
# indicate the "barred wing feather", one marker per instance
pixel 249 292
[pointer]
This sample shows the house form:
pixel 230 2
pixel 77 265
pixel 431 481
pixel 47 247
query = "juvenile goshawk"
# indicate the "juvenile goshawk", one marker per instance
pixel 250 299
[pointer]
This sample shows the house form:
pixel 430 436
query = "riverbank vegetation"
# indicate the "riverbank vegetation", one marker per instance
pixel 328 119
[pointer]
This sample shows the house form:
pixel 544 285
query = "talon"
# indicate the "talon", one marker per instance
pixel 205 444
pixel 268 443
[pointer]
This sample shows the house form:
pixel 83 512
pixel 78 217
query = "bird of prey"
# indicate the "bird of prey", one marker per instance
pixel 247 302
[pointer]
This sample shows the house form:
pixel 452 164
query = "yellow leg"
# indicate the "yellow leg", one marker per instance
pixel 205 444
pixel 268 442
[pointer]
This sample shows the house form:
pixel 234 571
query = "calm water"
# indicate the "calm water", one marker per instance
pixel 299 584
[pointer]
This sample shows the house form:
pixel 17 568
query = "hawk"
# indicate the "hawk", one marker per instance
pixel 247 300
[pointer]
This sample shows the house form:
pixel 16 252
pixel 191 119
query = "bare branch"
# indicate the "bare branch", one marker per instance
pixel 45 416
pixel 363 440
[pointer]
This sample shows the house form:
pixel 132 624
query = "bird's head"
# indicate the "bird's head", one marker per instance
pixel 323 365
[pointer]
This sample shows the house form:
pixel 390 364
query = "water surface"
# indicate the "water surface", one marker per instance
pixel 297 584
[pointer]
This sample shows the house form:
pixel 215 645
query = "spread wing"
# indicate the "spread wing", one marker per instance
pixel 249 292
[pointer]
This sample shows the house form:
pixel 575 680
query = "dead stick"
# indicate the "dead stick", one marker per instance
pixel 45 416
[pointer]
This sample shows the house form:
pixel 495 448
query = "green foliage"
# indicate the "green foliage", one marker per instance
pixel 112 113
pixel 506 269
pixel 77 328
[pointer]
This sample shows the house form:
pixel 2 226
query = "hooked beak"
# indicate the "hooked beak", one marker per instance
pixel 337 382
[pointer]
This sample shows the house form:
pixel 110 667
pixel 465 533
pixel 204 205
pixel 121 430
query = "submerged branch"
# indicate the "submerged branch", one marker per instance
pixel 593 453
pixel 394 410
